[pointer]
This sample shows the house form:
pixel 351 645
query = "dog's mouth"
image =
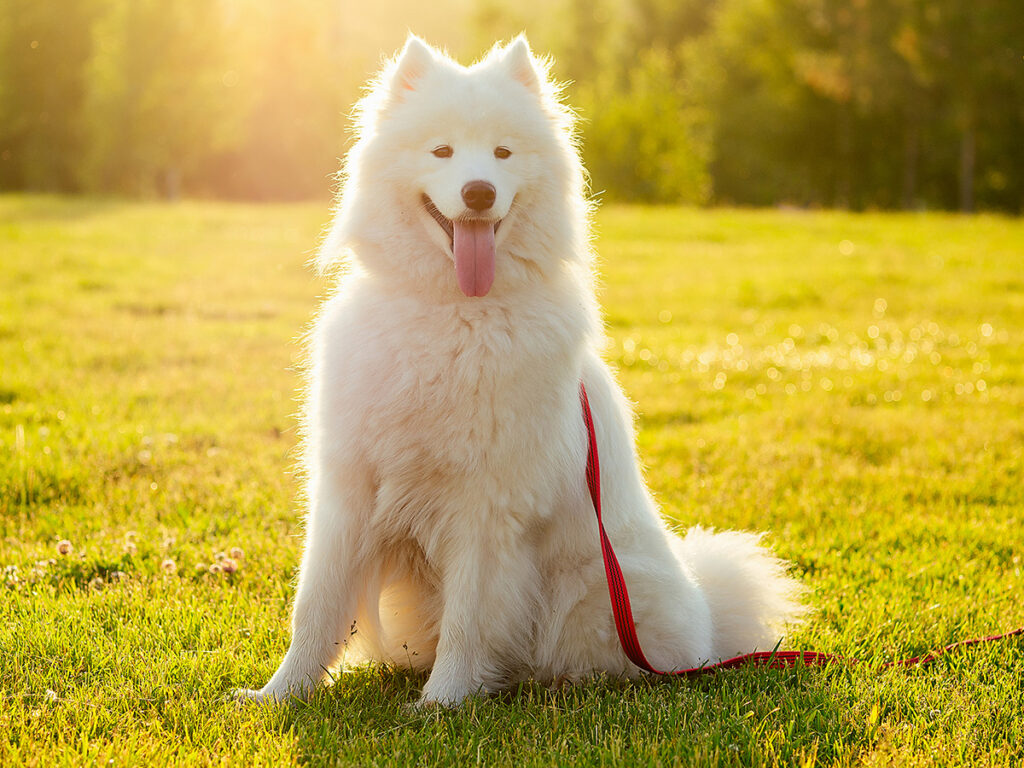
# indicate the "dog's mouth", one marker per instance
pixel 472 242
pixel 442 220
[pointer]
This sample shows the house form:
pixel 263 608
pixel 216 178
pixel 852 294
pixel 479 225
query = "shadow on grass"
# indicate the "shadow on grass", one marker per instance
pixel 746 717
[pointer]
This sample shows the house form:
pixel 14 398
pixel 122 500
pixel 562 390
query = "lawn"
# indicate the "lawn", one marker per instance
pixel 851 383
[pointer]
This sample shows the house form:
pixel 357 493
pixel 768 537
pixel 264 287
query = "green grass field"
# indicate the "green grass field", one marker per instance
pixel 853 384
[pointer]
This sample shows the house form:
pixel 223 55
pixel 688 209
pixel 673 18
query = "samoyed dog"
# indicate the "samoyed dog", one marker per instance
pixel 449 525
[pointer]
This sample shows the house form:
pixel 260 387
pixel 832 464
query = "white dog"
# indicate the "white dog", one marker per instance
pixel 449 525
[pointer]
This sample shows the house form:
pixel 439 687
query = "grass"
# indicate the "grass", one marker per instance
pixel 851 383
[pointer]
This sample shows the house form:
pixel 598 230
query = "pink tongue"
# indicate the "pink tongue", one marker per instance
pixel 474 256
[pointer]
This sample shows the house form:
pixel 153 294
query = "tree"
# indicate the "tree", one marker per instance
pixel 159 100
pixel 647 141
pixel 43 57
pixel 291 125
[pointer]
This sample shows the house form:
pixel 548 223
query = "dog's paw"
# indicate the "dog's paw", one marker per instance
pixel 441 693
pixel 242 696
pixel 427 704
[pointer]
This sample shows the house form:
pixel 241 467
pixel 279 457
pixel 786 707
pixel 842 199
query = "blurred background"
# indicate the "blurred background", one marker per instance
pixel 833 103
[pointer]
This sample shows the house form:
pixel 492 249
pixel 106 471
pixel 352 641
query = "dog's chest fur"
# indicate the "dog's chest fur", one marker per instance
pixel 459 409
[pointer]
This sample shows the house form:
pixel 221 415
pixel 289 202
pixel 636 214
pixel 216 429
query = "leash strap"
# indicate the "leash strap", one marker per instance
pixel 623 613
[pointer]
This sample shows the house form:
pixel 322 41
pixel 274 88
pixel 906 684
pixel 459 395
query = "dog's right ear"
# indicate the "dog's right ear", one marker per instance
pixel 521 64
pixel 415 60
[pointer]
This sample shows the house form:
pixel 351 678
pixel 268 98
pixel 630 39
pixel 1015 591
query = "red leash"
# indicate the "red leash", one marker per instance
pixel 624 614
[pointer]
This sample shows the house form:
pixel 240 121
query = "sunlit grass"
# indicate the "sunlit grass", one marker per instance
pixel 851 383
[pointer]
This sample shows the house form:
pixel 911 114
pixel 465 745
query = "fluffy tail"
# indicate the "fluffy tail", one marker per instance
pixel 747 588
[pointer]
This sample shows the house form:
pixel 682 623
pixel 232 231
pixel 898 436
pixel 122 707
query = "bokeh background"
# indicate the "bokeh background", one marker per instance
pixel 833 103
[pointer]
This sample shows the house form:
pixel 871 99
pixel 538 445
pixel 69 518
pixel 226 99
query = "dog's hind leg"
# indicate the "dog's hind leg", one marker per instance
pixel 489 587
pixel 327 594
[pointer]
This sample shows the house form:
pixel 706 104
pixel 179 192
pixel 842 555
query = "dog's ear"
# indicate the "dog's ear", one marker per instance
pixel 521 64
pixel 415 60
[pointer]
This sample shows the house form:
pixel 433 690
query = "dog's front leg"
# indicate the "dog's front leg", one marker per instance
pixel 489 583
pixel 325 601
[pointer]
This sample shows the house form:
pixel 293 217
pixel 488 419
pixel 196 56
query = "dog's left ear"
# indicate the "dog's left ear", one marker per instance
pixel 521 64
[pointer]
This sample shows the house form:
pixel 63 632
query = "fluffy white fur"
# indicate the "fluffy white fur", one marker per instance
pixel 449 525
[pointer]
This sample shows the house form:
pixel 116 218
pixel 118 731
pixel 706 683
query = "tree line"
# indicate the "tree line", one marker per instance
pixel 850 103
pixel 227 98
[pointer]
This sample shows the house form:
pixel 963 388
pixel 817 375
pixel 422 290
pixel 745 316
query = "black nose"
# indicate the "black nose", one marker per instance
pixel 478 195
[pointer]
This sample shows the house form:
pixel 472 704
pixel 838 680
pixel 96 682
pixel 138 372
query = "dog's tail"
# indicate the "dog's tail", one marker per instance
pixel 750 594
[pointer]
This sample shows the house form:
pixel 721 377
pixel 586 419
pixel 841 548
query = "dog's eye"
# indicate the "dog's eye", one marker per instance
pixel 502 152
pixel 443 151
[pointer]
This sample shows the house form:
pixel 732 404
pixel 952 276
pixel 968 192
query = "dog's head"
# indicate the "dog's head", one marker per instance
pixel 465 177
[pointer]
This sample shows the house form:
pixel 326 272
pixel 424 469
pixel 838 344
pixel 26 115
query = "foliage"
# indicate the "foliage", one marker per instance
pixel 851 383
pixel 157 101
pixel 217 97
pixel 871 103
pixel 864 104
pixel 43 58
pixel 645 142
